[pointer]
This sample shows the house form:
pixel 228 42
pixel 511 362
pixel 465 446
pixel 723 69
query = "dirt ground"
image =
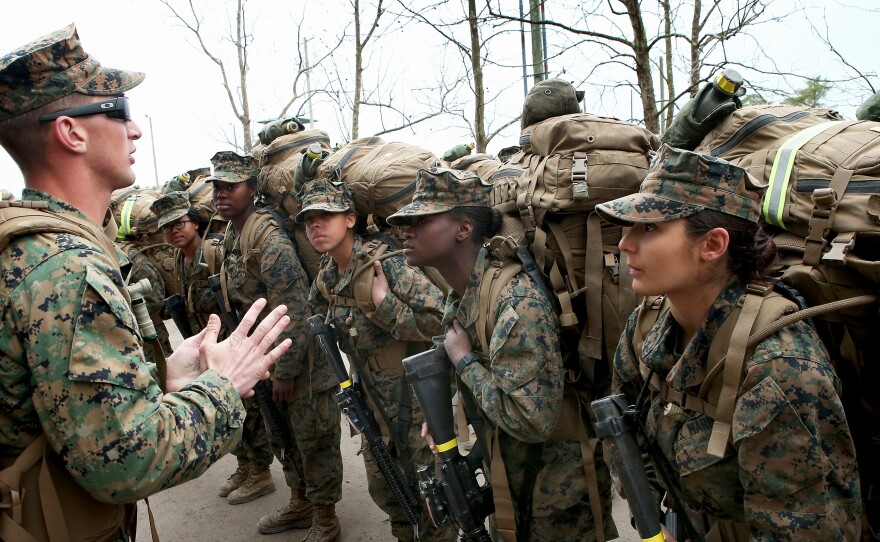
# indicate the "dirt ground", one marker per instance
pixel 193 512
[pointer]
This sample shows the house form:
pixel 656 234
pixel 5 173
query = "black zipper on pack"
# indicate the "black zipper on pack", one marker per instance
pixel 754 125
pixel 302 143
pixel 397 195
pixel 867 186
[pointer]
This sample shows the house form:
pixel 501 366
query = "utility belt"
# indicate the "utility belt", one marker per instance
pixel 41 502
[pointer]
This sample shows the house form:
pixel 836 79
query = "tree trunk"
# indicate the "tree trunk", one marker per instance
pixel 358 71
pixel 479 88
pixel 643 65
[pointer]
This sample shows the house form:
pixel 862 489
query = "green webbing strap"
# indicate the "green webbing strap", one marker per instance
pixel 125 226
pixel 780 174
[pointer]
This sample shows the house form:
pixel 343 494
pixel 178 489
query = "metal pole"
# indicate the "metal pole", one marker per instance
pixel 308 81
pixel 153 145
pixel 522 34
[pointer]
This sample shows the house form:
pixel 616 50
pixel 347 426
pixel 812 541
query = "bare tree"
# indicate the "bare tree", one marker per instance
pixel 463 34
pixel 618 33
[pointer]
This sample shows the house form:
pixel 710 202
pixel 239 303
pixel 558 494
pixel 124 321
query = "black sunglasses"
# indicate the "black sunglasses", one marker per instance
pixel 115 108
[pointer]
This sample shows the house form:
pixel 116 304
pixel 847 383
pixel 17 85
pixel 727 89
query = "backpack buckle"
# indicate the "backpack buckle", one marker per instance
pixel 579 188
pixel 840 247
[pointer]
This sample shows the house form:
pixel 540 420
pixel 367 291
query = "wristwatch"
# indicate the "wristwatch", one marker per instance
pixel 468 358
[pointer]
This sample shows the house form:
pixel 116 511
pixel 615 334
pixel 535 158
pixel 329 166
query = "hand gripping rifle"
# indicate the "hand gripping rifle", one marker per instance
pixel 458 495
pixel 281 437
pixel 353 404
pixel 617 424
pixel 174 305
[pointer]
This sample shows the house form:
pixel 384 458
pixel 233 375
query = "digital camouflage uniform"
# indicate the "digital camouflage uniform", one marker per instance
pixel 199 300
pixel 789 470
pixel 406 319
pixel 273 271
pixel 519 385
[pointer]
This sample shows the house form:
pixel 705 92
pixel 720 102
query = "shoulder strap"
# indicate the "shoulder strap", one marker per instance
pixel 31 217
pixel 255 232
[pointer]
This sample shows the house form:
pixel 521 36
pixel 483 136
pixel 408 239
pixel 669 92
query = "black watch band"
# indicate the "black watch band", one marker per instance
pixel 468 358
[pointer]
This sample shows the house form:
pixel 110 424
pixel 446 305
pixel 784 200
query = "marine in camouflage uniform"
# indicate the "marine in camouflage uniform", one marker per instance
pixel 198 298
pixel 378 337
pixel 75 389
pixel 518 384
pixel 788 471
pixel 272 270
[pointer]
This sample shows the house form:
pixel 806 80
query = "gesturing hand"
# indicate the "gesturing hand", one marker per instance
pixel 246 359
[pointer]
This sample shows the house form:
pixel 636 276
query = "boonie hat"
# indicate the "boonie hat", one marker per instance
pixel 322 195
pixel 231 167
pixel 170 207
pixel 550 98
pixel 682 183
pixel 439 190
pixel 53 67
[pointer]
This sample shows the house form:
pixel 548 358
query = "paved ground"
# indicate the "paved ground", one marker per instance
pixel 193 512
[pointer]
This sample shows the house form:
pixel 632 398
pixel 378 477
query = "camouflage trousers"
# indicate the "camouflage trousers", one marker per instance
pixel 255 444
pixel 386 390
pixel 315 463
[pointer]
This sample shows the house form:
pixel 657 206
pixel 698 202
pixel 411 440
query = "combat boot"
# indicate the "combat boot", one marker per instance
pixel 296 515
pixel 258 483
pixel 237 478
pixel 325 526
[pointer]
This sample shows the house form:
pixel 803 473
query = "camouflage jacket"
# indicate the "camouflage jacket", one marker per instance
pixel 273 271
pixel 791 467
pixel 200 299
pixel 143 268
pixel 410 311
pixel 73 368
pixel 519 387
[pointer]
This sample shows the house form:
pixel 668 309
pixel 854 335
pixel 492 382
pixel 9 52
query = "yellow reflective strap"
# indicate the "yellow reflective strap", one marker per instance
pixel 656 538
pixel 446 446
pixel 343 385
pixel 125 226
pixel 780 174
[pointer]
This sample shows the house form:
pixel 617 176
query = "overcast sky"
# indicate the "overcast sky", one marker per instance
pixel 182 101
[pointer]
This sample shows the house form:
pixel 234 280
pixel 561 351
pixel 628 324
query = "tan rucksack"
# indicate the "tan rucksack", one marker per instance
pixel 823 203
pixel 278 162
pixel 483 165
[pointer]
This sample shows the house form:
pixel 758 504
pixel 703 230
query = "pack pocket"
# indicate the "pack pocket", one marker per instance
pixel 106 345
pixel 778 454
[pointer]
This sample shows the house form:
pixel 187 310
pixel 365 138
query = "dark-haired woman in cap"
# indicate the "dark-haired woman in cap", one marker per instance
pixel 398 317
pixel 770 458
pixel 517 378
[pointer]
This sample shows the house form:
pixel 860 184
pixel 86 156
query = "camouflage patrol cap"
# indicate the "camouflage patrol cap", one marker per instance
pixel 550 98
pixel 322 195
pixel 53 67
pixel 681 184
pixel 170 207
pixel 439 190
pixel 230 167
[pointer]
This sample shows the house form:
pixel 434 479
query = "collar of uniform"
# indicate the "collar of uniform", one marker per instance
pixel 469 305
pixel 59 206
pixel 344 281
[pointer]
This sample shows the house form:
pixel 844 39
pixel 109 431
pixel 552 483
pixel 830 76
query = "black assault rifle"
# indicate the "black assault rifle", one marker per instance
pixel 281 437
pixel 458 495
pixel 176 308
pixel 617 423
pixel 353 404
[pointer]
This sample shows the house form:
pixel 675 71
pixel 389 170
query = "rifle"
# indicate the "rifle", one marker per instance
pixel 138 291
pixel 353 404
pixel 281 437
pixel 174 306
pixel 618 422
pixel 458 495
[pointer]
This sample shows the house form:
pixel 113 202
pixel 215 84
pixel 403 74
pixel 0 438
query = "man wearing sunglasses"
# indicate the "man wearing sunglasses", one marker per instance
pixel 84 428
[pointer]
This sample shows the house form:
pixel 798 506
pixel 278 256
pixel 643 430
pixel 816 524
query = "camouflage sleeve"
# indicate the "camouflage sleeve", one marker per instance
pixel 796 456
pixel 317 303
pixel 521 390
pixel 203 300
pixel 626 378
pixel 413 307
pixel 286 283
pixel 97 403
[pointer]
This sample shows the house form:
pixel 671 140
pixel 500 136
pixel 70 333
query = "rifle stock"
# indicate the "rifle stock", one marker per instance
pixel 174 306
pixel 353 405
pixel 458 495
